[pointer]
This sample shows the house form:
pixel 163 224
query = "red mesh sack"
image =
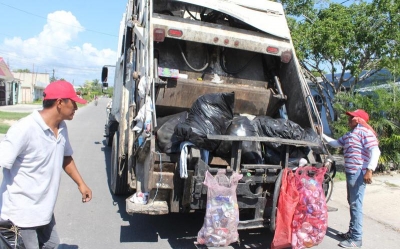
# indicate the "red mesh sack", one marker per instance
pixel 287 202
pixel 310 220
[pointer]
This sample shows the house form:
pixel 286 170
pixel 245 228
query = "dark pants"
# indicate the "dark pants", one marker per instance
pixel 43 237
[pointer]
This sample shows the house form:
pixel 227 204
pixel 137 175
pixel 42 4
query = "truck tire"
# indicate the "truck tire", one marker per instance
pixel 109 139
pixel 275 198
pixel 112 128
pixel 118 183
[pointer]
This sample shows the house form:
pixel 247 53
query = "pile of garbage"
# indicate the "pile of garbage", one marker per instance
pixel 212 114
pixel 310 219
pixel 222 213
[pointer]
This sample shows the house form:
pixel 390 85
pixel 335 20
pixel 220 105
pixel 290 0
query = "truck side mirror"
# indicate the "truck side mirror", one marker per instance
pixel 105 87
pixel 104 75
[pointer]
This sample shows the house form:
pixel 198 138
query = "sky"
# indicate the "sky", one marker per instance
pixel 71 38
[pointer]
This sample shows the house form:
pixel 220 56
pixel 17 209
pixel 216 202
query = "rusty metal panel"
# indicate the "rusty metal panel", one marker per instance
pixel 164 182
pixel 292 88
pixel 250 100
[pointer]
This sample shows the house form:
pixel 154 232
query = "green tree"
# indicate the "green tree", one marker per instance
pixel 384 108
pixel 361 39
pixel 22 70
pixel 95 83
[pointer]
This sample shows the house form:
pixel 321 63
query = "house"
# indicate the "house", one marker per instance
pixel 32 86
pixel 9 86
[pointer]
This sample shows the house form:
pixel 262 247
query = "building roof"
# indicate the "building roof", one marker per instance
pixel 373 88
pixel 383 76
pixel 5 72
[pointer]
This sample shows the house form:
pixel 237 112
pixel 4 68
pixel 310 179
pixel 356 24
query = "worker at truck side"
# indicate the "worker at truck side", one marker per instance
pixel 32 155
pixel 361 154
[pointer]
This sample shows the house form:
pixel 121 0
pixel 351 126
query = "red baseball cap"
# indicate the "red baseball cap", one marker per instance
pixel 61 89
pixel 359 113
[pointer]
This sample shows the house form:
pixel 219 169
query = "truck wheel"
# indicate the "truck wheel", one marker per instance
pixel 109 139
pixel 275 198
pixel 112 127
pixel 119 183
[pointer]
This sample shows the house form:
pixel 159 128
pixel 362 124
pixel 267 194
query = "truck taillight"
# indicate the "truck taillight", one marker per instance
pixel 272 50
pixel 286 56
pixel 175 32
pixel 159 34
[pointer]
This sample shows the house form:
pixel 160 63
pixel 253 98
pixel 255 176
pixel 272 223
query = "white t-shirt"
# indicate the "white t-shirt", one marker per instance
pixel 32 158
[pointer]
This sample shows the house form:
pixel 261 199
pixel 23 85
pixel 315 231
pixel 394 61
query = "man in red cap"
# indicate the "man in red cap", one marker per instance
pixel 32 155
pixel 361 154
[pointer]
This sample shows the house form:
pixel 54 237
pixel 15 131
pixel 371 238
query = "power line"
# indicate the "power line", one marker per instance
pixel 26 12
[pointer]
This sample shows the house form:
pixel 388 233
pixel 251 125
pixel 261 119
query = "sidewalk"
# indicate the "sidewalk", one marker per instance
pixel 28 108
pixel 381 200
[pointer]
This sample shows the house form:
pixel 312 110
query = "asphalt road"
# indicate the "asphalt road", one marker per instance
pixel 103 223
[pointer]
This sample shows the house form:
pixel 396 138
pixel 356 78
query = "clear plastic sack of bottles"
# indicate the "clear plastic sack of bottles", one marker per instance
pixel 310 220
pixel 222 213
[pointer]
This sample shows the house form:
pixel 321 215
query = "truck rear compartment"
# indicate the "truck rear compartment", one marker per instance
pixel 215 56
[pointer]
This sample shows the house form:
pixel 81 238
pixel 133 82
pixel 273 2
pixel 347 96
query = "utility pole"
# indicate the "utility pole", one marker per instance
pixel 53 74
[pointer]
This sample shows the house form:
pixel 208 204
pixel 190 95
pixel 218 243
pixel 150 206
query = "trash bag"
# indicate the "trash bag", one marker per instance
pixel 210 114
pixel 287 129
pixel 310 220
pixel 222 213
pixel 167 140
pixel 271 156
pixel 287 202
pixel 144 116
pixel 310 135
pixel 280 127
pixel 251 151
pixel 9 236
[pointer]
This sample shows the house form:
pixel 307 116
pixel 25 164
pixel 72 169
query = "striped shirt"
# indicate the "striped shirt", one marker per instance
pixel 356 148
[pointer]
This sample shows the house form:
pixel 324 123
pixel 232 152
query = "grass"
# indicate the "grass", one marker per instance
pixel 12 115
pixel 340 176
pixel 3 128
pixel 9 116
pixel 38 102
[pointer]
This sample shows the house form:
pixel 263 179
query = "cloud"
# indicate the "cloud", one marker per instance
pixel 56 47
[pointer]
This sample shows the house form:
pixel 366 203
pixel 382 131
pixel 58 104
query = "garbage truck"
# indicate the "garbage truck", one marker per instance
pixel 203 86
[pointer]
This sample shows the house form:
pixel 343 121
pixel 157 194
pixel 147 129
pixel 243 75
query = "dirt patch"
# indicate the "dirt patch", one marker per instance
pixel 8 122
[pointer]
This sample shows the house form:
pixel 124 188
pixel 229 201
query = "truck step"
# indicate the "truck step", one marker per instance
pixel 151 208
pixel 251 224
pixel 261 166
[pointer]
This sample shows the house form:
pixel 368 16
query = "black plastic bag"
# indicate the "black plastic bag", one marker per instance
pixel 287 129
pixel 210 114
pixel 279 127
pixel 251 151
pixel 311 136
pixel 167 140
pixel 9 237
